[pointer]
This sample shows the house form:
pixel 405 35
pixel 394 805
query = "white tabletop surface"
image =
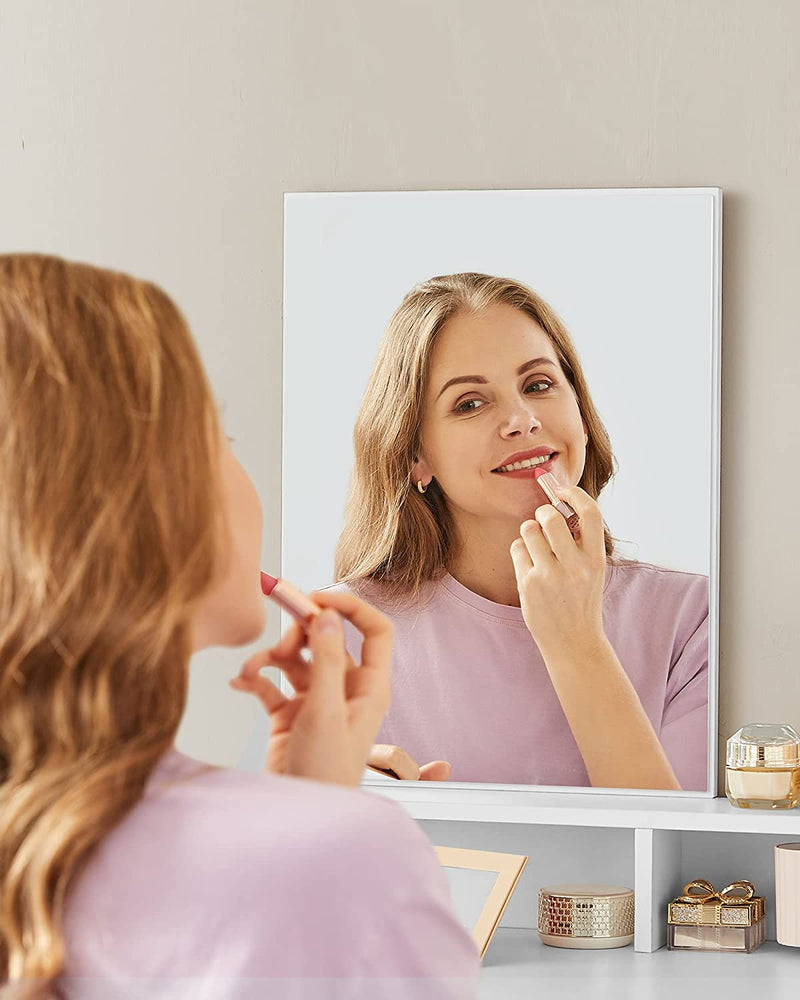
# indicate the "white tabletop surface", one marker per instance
pixel 517 965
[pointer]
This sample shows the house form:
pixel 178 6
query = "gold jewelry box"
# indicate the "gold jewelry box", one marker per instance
pixel 586 916
pixel 702 919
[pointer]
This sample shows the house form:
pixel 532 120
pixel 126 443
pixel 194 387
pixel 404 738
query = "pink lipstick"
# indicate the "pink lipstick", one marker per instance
pixel 288 597
pixel 549 485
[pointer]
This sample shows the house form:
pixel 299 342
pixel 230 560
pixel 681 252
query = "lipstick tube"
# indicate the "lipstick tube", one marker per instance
pixel 549 484
pixel 288 597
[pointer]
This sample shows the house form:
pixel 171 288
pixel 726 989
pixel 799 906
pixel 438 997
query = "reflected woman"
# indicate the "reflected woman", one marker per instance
pixel 522 655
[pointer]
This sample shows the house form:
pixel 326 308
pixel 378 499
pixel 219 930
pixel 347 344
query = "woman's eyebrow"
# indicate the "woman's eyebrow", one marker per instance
pixel 479 378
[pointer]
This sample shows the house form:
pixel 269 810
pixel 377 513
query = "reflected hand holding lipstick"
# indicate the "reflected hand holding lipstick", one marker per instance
pixel 549 485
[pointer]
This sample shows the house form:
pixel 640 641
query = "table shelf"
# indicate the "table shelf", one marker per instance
pixel 655 844
pixel 518 966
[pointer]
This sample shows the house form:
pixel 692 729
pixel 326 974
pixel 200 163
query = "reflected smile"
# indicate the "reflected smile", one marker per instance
pixel 527 463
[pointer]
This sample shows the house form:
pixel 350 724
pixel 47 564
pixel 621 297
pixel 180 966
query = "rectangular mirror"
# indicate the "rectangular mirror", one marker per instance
pixel 629 280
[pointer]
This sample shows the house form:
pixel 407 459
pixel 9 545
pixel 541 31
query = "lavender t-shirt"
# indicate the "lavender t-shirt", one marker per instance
pixel 233 886
pixel 470 686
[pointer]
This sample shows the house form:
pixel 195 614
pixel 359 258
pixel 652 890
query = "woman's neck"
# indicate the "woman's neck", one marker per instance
pixel 482 562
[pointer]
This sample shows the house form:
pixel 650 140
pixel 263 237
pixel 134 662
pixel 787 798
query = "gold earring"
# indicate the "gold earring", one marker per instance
pixel 585 439
pixel 420 487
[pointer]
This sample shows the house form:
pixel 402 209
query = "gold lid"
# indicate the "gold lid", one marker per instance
pixel 594 911
pixel 762 744
pixel 701 905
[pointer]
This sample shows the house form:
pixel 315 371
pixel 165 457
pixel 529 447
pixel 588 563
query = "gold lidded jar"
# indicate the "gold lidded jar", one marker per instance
pixel 702 919
pixel 586 916
pixel 762 767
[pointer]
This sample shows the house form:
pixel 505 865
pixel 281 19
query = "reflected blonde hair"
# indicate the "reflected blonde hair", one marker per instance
pixel 394 535
pixel 110 530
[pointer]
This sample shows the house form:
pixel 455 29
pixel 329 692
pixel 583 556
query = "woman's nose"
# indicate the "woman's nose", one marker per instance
pixel 519 419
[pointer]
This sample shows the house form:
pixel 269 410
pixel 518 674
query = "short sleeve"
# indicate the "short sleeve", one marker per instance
pixel 684 724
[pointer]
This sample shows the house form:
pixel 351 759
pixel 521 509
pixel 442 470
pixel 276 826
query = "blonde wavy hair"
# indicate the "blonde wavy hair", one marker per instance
pixel 394 535
pixel 110 530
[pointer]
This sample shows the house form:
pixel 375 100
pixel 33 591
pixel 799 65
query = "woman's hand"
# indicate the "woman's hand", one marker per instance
pixel 395 760
pixel 561 584
pixel 561 580
pixel 326 731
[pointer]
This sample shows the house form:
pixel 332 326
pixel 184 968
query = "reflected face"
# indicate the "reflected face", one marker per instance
pixel 233 613
pixel 497 396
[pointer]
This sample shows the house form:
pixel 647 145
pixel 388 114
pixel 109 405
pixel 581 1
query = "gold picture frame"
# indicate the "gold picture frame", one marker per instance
pixel 508 867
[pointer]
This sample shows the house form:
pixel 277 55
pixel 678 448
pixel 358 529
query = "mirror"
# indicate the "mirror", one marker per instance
pixel 481 884
pixel 633 278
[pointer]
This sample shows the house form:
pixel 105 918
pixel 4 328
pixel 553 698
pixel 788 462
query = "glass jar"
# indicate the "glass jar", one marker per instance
pixel 762 767
pixel 702 919
pixel 745 939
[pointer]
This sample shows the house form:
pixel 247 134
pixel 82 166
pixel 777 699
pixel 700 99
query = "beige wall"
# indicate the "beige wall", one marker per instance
pixel 160 136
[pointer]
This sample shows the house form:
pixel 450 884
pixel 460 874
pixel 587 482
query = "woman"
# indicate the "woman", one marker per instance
pixel 131 538
pixel 522 654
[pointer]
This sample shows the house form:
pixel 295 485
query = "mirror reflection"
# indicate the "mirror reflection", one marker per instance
pixel 523 655
pixel 530 647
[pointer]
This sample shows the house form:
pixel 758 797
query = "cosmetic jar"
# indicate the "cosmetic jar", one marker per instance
pixel 787 894
pixel 702 919
pixel 762 767
pixel 586 916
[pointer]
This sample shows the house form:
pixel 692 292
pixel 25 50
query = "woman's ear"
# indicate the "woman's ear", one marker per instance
pixel 421 473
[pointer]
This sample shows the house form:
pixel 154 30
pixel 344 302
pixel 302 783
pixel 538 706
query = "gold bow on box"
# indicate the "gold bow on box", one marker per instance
pixel 734 906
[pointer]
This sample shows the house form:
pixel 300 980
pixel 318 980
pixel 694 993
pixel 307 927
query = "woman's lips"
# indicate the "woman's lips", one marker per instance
pixel 528 473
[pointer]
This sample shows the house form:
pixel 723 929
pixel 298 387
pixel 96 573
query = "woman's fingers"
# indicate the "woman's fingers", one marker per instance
pixel 521 558
pixel 286 650
pixel 328 663
pixel 536 542
pixel 251 667
pixel 387 757
pixel 592 536
pixel 264 690
pixel 378 632
pixel 436 770
pixel 557 535
pixel 376 628
pixel 285 656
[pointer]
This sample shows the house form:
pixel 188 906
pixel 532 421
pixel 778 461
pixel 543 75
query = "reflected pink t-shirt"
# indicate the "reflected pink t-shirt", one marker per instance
pixel 234 886
pixel 469 684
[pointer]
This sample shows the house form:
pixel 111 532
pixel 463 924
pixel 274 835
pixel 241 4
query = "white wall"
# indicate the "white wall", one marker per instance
pixel 160 137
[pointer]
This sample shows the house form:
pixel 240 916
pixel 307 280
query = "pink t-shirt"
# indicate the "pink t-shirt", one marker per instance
pixel 234 886
pixel 469 684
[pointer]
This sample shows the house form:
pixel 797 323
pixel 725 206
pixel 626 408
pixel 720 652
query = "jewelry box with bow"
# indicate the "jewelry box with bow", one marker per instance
pixel 702 919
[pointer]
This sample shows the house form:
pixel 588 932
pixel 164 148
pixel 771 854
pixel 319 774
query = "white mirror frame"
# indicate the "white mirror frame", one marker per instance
pixel 302 308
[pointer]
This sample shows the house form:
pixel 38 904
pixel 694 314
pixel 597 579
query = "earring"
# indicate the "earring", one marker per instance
pixel 420 487
pixel 585 439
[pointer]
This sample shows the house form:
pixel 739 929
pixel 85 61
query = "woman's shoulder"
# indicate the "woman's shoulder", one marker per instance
pixel 652 582
pixel 192 816
pixel 389 601
pixel 368 846
pixel 259 797
pixel 655 573
pixel 254 854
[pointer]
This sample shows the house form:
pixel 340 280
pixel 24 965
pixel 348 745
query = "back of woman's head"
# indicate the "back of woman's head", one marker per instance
pixel 393 534
pixel 109 528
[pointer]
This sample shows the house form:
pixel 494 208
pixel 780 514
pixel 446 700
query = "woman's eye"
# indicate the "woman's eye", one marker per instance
pixel 471 405
pixel 465 407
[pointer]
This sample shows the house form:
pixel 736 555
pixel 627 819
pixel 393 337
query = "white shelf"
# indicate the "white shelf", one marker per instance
pixel 655 844
pixel 518 966
pixel 428 802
